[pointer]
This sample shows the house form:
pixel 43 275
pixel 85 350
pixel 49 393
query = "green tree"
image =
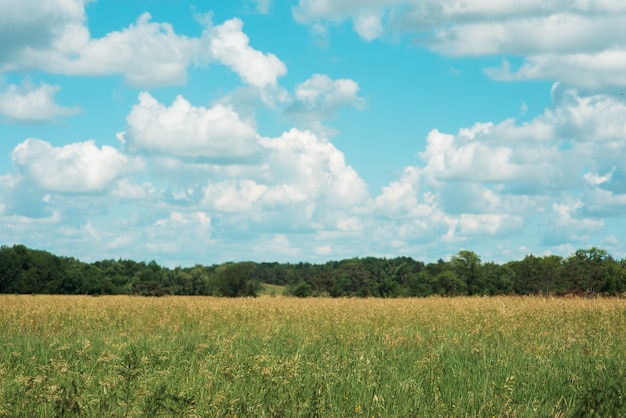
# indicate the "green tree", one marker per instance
pixel 467 266
pixel 498 279
pixel 301 290
pixel 10 269
pixel 588 270
pixel 529 277
pixel 236 280
pixel 200 284
pixel 352 279
pixel 550 271
pixel 448 283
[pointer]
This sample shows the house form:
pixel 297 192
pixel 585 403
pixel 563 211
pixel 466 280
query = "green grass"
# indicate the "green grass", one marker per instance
pixel 186 356
pixel 271 290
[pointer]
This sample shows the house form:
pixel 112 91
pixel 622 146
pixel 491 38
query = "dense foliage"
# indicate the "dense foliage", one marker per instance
pixel 591 271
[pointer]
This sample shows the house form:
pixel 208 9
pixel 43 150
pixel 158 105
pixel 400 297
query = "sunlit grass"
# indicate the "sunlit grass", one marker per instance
pixel 271 290
pixel 132 356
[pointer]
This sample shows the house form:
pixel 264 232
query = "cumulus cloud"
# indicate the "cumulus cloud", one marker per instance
pixel 565 225
pixel 590 118
pixel 320 96
pixel 488 224
pixel 246 172
pixel 540 31
pixel 178 219
pixel 192 132
pixel 276 246
pixel 401 199
pixel 598 70
pixel 233 196
pixel 146 53
pixel 27 104
pixel 314 166
pixel 53 37
pixel 561 172
pixel 301 182
pixel 30 27
pixel 369 26
pixel 581 43
pixel 229 45
pixel 475 155
pixel 548 153
pixel 219 163
pixel 80 167
pixel 127 190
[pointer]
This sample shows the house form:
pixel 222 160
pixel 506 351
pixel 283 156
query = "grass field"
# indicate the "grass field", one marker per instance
pixel 195 356
pixel 271 290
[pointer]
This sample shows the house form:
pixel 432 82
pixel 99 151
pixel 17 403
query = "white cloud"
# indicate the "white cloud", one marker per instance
pixel 214 161
pixel 369 26
pixel 565 225
pixel 562 172
pixel 581 43
pixel 165 234
pixel 276 246
pixel 229 45
pixel 29 27
pixel 324 250
pixel 177 219
pixel 302 181
pixel 28 104
pixel 125 189
pixel 315 167
pixel 263 6
pixel 319 98
pixel 80 167
pixel 326 95
pixel 488 224
pixel 593 118
pixel 145 53
pixel 548 153
pixel 595 179
pixel 53 37
pixel 186 131
pixel 596 70
pixel 600 203
pixel 401 199
pixel 542 31
pixel 476 155
pixel 234 196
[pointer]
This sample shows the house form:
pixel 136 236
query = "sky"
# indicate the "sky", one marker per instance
pixel 199 132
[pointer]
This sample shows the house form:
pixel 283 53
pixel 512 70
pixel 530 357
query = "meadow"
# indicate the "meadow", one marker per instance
pixel 277 356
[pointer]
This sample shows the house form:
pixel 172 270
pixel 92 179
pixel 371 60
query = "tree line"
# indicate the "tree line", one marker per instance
pixel 585 272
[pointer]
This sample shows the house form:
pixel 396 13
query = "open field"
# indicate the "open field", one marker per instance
pixel 271 290
pixel 133 356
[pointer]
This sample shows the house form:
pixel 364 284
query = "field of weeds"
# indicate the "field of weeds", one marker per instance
pixel 195 356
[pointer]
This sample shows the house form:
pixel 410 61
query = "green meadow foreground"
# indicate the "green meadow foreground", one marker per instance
pixel 200 356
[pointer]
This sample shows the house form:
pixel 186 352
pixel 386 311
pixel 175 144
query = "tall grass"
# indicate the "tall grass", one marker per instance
pixel 193 356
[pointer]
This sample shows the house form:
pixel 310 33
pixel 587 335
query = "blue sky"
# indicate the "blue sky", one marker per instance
pixel 201 132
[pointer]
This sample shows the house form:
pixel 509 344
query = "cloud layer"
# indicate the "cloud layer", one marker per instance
pixel 198 177
pixel 561 172
pixel 28 104
pixel 55 39
pixel 580 43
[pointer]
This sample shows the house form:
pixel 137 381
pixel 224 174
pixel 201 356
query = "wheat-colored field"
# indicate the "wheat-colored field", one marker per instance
pixel 196 356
